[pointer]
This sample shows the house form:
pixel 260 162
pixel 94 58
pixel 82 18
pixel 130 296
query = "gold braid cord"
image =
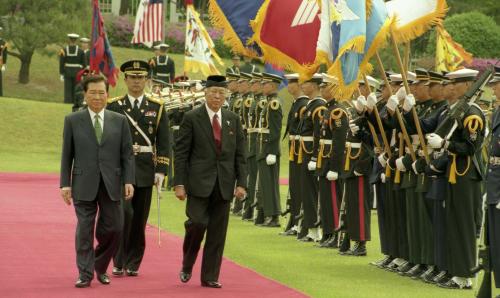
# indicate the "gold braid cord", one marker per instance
pixel 162 160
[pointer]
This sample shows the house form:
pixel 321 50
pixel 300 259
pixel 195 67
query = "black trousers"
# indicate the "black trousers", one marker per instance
pixel 330 196
pixel 309 194
pixel 133 241
pixel 252 181
pixel 108 230
pixel 69 90
pixel 380 189
pixel 210 215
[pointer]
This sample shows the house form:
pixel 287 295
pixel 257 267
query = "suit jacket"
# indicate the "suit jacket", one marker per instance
pixel 84 161
pixel 196 163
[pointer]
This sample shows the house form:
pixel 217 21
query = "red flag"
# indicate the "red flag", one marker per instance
pixel 287 32
pixel 101 58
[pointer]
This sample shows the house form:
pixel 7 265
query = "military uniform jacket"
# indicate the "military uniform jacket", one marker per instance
pixel 246 104
pixel 310 125
pixel 71 61
pixel 493 173
pixel 333 132
pixel 357 154
pixel 293 119
pixel 270 127
pixel 152 121
pixel 163 67
pixel 3 51
pixel 388 127
pixel 253 122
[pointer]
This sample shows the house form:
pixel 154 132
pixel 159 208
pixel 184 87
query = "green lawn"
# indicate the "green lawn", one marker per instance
pixel 30 142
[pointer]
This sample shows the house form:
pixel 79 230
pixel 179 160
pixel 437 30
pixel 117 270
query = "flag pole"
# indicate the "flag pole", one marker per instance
pixel 413 111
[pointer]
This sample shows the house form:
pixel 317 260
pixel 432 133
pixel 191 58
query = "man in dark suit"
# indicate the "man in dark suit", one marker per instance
pixel 96 161
pixel 210 167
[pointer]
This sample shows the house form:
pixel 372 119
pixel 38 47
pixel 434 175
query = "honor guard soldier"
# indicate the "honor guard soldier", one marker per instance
pixel 269 152
pixel 309 128
pixel 334 127
pixel 71 61
pixel 84 43
pixel 162 66
pixel 235 69
pixel 493 183
pixel 232 85
pixel 247 103
pixel 149 128
pixel 292 130
pixel 3 59
pixel 463 194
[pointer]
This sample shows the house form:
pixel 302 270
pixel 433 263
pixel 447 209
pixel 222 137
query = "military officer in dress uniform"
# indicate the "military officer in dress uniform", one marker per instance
pixel 493 183
pixel 3 59
pixel 71 61
pixel 334 127
pixel 309 128
pixel 162 66
pixel 268 150
pixel 84 43
pixel 294 184
pixel 235 69
pixel 149 127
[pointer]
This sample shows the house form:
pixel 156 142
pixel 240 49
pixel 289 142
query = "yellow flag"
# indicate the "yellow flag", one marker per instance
pixel 449 54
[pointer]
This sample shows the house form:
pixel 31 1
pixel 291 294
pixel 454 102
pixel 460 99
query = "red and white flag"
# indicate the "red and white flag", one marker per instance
pixel 148 22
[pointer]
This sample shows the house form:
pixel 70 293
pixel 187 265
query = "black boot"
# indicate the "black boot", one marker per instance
pixel 358 250
pixel 271 222
pixel 345 245
pixel 260 217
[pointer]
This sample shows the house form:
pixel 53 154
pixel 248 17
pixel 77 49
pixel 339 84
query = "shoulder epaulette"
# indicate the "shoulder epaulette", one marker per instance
pixel 337 113
pixel 317 111
pixel 237 103
pixel 274 104
pixel 111 100
pixel 248 102
pixel 155 100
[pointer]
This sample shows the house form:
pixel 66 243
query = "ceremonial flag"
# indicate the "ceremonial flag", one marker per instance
pixel 449 54
pixel 287 33
pixel 101 58
pixel 199 47
pixel 148 22
pixel 415 17
pixel 233 16
pixel 328 35
pixel 350 16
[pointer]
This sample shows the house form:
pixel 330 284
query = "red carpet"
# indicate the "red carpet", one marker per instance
pixel 37 255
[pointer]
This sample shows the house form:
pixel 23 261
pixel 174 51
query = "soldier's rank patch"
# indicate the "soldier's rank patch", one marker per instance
pixel 150 114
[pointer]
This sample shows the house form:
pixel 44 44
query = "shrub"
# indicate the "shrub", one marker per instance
pixel 120 30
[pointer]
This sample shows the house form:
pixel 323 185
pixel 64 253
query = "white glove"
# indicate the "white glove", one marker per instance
pixel 357 174
pixel 382 159
pixel 435 141
pixel 401 93
pixel 414 167
pixel 409 102
pixel 270 159
pixel 354 128
pixel 159 177
pixel 498 206
pixel 4 68
pixel 360 104
pixel 392 103
pixel 311 166
pixel 331 175
pixel 382 177
pixel 61 78
pixel 371 101
pixel 399 164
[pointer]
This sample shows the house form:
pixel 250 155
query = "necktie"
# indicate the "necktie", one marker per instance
pixel 135 109
pixel 216 131
pixel 97 129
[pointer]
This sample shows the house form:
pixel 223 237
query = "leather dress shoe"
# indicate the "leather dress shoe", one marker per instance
pixel 117 271
pixel 80 283
pixel 211 284
pixel 405 268
pixel 184 276
pixel 358 250
pixel 103 278
pixel 306 239
pixel 271 222
pixel 289 233
pixel 131 272
pixel 451 284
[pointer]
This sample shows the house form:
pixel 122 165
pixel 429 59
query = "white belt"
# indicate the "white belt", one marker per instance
pixel 494 160
pixel 292 137
pixel 72 65
pixel 263 130
pixel 353 145
pixel 251 130
pixel 175 127
pixel 162 74
pixel 307 138
pixel 142 149
pixel 325 141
